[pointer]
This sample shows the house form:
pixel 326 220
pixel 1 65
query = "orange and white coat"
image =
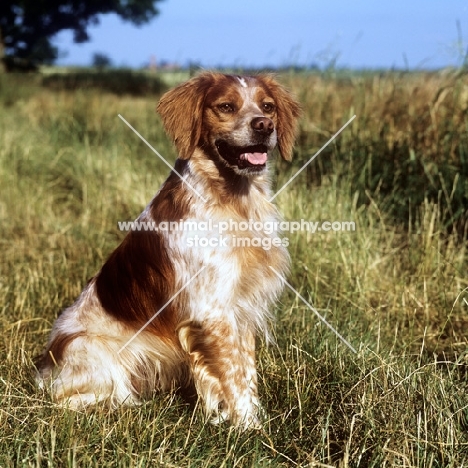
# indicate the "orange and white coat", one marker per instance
pixel 112 344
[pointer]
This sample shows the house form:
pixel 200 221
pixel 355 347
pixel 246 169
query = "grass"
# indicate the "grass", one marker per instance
pixel 70 169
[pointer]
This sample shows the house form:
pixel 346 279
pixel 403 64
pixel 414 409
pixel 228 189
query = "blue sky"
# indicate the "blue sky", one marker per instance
pixel 359 33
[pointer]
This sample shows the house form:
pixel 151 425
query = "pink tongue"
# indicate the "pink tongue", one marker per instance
pixel 256 158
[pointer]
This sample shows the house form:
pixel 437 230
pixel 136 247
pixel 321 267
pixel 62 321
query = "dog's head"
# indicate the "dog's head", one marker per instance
pixel 236 119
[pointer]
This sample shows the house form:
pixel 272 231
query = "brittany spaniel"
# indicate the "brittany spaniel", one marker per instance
pixel 165 312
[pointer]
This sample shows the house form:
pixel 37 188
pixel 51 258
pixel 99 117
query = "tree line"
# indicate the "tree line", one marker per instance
pixel 27 27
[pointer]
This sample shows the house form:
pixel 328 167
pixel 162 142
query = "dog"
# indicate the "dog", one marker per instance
pixel 165 312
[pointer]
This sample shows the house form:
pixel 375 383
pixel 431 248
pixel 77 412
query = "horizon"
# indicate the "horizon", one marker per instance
pixel 422 35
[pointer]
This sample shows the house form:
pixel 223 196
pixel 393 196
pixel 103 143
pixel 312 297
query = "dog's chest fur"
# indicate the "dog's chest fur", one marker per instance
pixel 235 281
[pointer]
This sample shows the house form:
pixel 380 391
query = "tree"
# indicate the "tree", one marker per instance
pixel 101 60
pixel 27 26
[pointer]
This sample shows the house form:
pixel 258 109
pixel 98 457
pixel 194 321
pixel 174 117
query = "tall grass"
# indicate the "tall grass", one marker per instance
pixel 408 142
pixel 395 287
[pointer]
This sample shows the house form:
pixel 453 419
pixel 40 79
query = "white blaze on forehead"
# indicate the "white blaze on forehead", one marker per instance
pixel 242 81
pixel 248 91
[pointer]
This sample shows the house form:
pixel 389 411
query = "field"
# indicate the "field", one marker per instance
pixel 396 288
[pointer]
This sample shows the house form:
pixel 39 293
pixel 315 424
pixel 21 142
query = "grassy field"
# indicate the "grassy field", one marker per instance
pixel 395 287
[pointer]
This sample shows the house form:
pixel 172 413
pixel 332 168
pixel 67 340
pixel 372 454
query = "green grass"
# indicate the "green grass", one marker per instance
pixel 70 169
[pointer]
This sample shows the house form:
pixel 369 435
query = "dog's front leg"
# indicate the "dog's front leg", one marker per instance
pixel 222 361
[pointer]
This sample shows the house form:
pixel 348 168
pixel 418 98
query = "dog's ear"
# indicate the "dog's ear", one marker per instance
pixel 181 110
pixel 288 113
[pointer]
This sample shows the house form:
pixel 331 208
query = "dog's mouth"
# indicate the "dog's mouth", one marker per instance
pixel 252 157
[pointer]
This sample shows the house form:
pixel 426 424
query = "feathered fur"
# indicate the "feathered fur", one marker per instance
pixel 165 313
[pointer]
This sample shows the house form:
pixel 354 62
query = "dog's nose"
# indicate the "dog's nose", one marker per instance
pixel 262 125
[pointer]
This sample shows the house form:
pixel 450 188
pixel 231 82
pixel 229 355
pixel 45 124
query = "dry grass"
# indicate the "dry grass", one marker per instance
pixel 70 169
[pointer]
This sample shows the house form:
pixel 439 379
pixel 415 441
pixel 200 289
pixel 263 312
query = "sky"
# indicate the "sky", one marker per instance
pixel 403 34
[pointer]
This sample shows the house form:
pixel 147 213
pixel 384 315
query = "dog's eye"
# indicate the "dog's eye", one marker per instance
pixel 226 107
pixel 268 107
